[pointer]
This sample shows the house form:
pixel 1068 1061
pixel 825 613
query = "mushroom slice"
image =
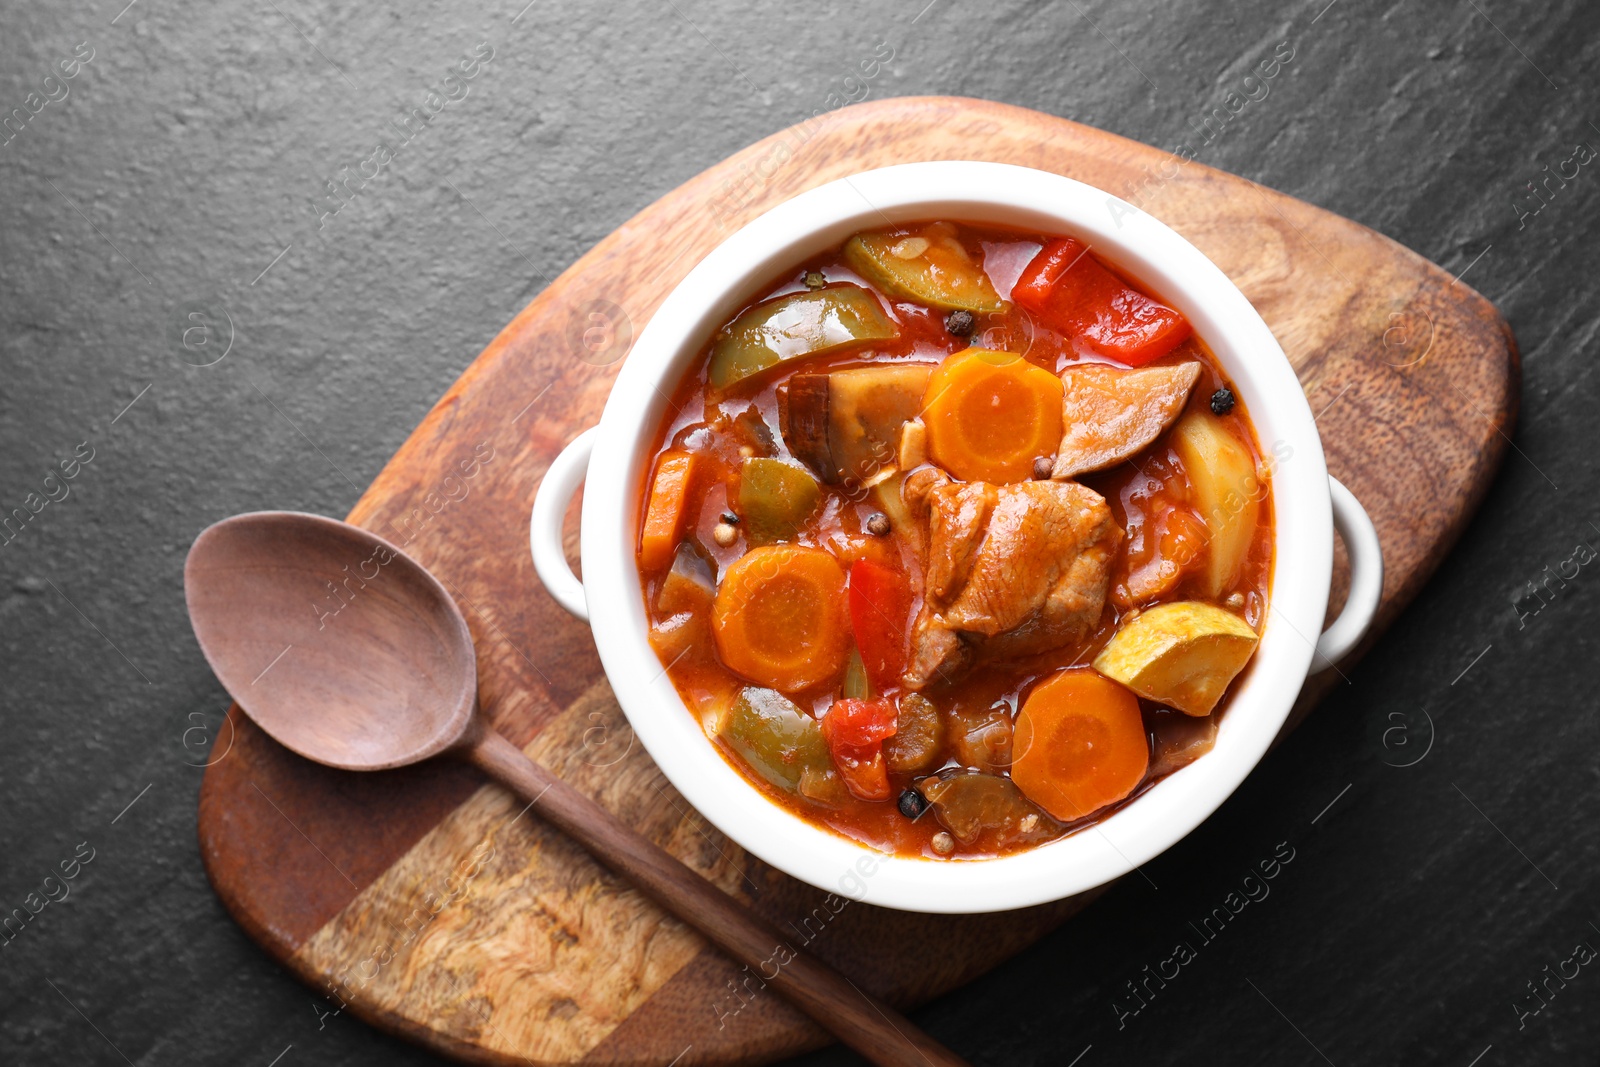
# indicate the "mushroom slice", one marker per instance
pixel 846 424
pixel 1111 414
pixel 985 810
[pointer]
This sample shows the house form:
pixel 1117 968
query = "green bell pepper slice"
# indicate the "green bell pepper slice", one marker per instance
pixel 795 325
pixel 774 738
pixel 775 498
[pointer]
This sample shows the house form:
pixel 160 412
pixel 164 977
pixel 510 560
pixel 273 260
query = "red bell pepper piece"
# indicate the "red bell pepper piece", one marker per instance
pixel 1071 291
pixel 880 604
pixel 855 731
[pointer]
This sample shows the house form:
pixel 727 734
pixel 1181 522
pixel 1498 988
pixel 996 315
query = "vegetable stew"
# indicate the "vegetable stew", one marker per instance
pixel 956 540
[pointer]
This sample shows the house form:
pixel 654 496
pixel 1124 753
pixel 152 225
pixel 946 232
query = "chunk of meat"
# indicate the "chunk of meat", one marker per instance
pixel 1011 570
pixel 1109 414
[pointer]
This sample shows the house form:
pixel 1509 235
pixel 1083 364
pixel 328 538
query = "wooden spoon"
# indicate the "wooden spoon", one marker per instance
pixel 348 652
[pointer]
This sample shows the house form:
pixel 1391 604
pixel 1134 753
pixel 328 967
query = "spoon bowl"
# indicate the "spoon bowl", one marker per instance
pixel 332 640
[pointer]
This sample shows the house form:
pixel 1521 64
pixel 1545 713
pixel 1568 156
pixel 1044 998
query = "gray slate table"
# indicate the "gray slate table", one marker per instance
pixel 1440 876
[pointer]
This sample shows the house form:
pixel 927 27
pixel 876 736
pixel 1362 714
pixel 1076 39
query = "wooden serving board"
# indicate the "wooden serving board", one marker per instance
pixel 428 904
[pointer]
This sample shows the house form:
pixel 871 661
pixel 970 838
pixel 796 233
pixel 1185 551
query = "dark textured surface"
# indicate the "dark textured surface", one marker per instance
pixel 188 154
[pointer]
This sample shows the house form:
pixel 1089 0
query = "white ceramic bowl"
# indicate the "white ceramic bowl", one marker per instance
pixel 614 458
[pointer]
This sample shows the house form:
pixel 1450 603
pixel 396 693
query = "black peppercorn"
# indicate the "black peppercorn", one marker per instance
pixel 960 323
pixel 912 804
pixel 1042 468
pixel 878 525
pixel 814 279
pixel 730 518
pixel 1222 401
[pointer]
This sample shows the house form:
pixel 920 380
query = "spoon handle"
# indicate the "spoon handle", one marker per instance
pixel 861 1021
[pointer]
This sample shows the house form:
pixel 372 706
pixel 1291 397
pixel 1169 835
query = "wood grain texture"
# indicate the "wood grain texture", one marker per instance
pixel 1414 379
pixel 494 908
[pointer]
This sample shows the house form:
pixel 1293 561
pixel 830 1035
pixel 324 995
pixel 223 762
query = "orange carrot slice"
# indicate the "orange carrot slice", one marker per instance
pixel 1080 744
pixel 989 415
pixel 779 617
pixel 663 515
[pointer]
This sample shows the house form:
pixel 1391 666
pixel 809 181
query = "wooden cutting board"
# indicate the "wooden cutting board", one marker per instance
pixel 434 908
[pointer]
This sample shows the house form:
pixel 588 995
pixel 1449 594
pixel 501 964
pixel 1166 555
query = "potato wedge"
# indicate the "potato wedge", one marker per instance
pixel 887 497
pixel 1226 492
pixel 1109 414
pixel 1182 654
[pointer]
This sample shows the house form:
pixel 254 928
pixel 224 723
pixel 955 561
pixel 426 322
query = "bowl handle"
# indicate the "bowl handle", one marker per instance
pixel 549 513
pixel 1366 578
